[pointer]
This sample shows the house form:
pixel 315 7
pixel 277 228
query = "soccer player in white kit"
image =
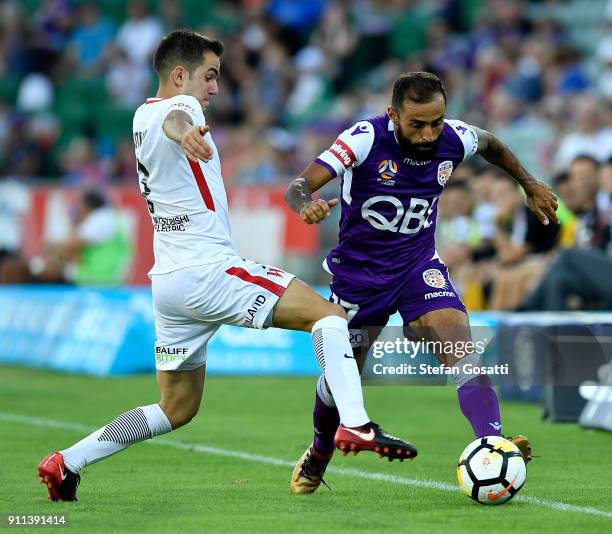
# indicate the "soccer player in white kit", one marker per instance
pixel 200 282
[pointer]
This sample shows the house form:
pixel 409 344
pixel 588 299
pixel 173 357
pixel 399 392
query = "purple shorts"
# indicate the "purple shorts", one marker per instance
pixel 424 288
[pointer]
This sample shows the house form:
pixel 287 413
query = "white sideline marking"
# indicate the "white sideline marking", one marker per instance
pixel 368 475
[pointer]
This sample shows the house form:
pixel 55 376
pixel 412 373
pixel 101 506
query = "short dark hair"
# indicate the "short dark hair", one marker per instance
pixel 419 87
pixel 183 47
pixel 93 199
pixel 560 178
pixel 586 157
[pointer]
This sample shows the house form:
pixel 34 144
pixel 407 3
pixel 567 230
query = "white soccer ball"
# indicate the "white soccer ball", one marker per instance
pixel 491 470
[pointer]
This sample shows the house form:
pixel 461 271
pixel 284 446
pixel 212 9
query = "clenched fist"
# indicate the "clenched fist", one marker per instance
pixel 317 210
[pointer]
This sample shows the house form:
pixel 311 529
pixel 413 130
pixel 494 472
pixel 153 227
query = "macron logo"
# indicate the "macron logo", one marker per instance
pixel 359 129
pixel 496 426
pixel 437 294
pixel 343 153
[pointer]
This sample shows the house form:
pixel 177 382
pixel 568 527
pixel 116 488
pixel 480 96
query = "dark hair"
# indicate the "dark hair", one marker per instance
pixel 560 178
pixel 183 47
pixel 93 199
pixel 586 157
pixel 419 87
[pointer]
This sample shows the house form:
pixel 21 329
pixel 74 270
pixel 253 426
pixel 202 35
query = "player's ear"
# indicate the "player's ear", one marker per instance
pixel 179 75
pixel 393 115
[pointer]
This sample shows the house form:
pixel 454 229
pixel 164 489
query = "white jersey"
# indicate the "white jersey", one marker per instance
pixel 186 200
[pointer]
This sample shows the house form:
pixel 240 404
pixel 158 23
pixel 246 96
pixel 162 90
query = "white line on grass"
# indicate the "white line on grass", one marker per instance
pixel 368 475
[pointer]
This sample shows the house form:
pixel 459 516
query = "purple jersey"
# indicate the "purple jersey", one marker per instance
pixel 389 201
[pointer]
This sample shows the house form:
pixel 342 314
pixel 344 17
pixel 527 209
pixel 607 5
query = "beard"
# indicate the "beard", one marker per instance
pixel 421 151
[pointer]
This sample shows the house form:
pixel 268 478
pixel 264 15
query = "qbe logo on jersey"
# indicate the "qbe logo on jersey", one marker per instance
pixel 434 278
pixel 445 169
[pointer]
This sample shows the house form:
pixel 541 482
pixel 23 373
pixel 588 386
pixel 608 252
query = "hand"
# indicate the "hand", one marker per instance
pixel 194 146
pixel 542 201
pixel 317 210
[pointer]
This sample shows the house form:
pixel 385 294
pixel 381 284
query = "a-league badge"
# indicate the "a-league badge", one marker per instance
pixel 434 278
pixel 445 169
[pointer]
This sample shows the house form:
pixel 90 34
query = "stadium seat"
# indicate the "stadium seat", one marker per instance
pixel 8 88
pixel 75 102
pixel 113 122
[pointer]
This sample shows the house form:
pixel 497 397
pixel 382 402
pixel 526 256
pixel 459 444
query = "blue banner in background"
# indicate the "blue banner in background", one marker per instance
pixel 77 330
pixel 112 331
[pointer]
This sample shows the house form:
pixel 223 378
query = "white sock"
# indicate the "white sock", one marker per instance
pixel 330 337
pixel 130 427
pixel 324 394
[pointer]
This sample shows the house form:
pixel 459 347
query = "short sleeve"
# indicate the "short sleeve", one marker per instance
pixel 350 149
pixel 467 135
pixel 189 105
pixel 99 226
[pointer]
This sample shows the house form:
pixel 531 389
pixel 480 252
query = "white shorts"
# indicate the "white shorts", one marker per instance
pixel 191 303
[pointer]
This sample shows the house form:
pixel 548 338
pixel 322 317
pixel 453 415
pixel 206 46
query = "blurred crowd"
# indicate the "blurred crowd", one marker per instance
pixel 538 74
pixel 502 258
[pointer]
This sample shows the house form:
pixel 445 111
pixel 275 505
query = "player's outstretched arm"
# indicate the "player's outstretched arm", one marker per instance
pixel 298 195
pixel 540 198
pixel 179 127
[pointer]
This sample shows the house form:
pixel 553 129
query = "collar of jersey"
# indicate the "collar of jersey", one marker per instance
pixel 153 100
pixel 391 128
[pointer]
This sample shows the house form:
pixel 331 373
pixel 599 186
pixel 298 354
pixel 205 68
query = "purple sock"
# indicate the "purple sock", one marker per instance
pixel 480 406
pixel 326 420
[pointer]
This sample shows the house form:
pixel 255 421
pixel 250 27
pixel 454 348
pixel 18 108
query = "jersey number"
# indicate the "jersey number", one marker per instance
pixel 145 191
pixel 418 211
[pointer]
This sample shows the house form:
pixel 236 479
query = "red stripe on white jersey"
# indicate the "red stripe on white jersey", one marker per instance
pixel 343 153
pixel 260 281
pixel 153 100
pixel 198 174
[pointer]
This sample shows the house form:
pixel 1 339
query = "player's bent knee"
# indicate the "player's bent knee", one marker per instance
pixel 333 309
pixel 329 310
pixel 300 307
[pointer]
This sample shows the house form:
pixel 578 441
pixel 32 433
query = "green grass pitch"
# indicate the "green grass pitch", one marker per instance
pixel 165 488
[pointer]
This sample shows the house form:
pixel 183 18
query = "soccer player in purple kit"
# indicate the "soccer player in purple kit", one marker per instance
pixel 393 169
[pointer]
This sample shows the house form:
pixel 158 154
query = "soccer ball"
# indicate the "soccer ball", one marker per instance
pixel 491 470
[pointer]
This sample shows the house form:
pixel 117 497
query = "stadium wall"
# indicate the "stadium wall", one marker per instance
pixel 111 332
pixel 255 212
